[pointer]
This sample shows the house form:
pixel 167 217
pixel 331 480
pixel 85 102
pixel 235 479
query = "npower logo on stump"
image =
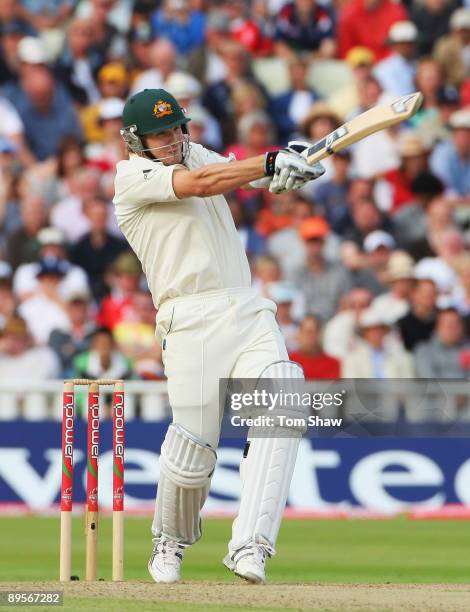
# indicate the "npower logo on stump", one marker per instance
pixel 375 474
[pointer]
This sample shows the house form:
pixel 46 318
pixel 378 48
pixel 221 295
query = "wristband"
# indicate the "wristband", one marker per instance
pixel 270 162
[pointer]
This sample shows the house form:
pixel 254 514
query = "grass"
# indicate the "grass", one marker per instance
pixel 346 551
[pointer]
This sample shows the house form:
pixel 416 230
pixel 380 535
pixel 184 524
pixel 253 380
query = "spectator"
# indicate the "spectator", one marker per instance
pixel 366 23
pixel 51 245
pixel 46 14
pixel 395 189
pixel 461 292
pixel 444 355
pixel 400 276
pixel 418 325
pixel 107 154
pixel 450 160
pixel 319 122
pixel 253 243
pixel 78 63
pixel 68 215
pixel 431 18
pixel 201 131
pixel 12 130
pixel 284 296
pixel 102 360
pixel 187 90
pixel 255 136
pixel 429 81
pixel 321 282
pixel 451 50
pixel 124 279
pixel 266 270
pixel 97 249
pixel 10 179
pixel 437 219
pixel 217 97
pixel 331 197
pixel 378 247
pixel 45 310
pixel 108 42
pixel 374 355
pixel 53 179
pixel 249 28
pixel 304 25
pixel 113 82
pixel 376 154
pixel 7 299
pixel 289 109
pixel 396 73
pixel 357 262
pixel 317 365
pixel 409 221
pixel 442 275
pixel 162 59
pixel 46 112
pixel 246 98
pixel 176 21
pixel 345 99
pixel 286 245
pixel 68 343
pixel 140 41
pixel 70 158
pixel 11 31
pixel 22 243
pixel 366 218
pixel 339 331
pixel 136 339
pixel 205 62
pixel 19 355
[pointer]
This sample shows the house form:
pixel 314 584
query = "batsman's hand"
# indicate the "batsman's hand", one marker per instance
pixel 291 171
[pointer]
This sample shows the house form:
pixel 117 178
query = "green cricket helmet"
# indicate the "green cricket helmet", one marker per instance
pixel 150 111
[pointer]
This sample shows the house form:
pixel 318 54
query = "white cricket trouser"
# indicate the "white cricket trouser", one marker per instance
pixel 231 333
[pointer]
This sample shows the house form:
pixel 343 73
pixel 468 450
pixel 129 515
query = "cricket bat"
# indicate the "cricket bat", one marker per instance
pixel 375 119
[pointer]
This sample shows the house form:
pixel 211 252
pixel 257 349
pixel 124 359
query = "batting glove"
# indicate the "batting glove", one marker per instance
pixel 299 146
pixel 289 170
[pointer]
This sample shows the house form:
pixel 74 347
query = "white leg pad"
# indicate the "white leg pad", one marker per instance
pixel 186 468
pixel 266 472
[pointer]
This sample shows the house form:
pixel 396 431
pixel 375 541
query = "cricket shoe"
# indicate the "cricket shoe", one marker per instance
pixel 165 561
pixel 249 562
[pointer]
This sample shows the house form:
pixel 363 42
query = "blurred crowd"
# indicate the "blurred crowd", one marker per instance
pixel 369 265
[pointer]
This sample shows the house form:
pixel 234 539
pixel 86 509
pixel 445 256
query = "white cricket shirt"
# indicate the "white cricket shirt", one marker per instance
pixel 185 246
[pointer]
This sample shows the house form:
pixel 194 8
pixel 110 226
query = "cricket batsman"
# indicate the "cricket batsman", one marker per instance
pixel 211 324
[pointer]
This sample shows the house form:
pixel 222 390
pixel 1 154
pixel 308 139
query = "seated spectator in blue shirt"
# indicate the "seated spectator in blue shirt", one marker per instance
pixel 46 111
pixel 450 160
pixel 331 197
pixel 396 73
pixel 289 109
pixel 304 25
pixel 185 28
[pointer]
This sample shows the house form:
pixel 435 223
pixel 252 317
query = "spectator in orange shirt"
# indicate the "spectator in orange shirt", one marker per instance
pixel 366 23
pixel 310 355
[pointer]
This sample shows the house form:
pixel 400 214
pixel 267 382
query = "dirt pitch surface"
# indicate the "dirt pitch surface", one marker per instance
pixel 331 597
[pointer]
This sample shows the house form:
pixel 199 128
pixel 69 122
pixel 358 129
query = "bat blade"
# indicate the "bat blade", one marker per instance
pixel 375 119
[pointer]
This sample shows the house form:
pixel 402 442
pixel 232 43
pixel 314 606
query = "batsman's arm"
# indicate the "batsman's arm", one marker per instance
pixel 215 179
pixel 287 168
